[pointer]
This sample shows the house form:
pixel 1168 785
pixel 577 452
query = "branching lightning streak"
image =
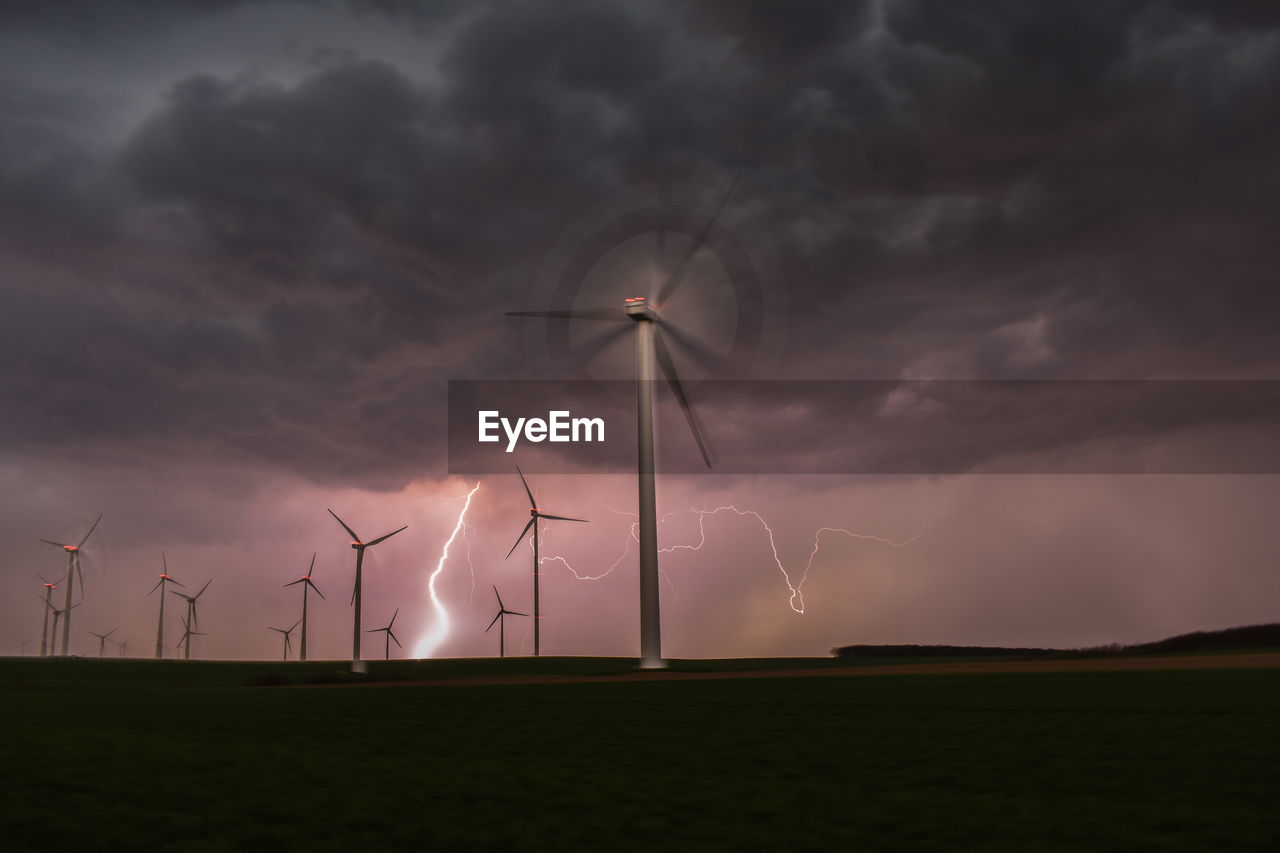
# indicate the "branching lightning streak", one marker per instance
pixel 796 599
pixel 431 641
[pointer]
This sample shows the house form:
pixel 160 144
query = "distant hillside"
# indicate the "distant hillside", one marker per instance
pixel 1229 639
pixel 864 651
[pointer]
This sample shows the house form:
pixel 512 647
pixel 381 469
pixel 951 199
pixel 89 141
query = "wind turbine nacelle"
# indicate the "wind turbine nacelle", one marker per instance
pixel 357 545
pixel 638 309
pixel 70 548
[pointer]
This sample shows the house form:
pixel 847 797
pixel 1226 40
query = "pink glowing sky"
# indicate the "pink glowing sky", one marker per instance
pixel 243 251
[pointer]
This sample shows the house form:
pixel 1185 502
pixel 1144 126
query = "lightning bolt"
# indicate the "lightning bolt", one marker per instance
pixel 431 641
pixel 796 599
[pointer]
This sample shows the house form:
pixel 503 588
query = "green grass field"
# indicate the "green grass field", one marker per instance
pixel 171 756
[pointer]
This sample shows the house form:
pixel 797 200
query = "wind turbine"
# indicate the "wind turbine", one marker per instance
pixel 390 636
pixel 534 515
pixel 48 605
pixel 502 624
pixel 286 637
pixel 191 609
pixel 306 581
pixel 359 546
pixel 650 347
pixel 164 577
pixel 123 647
pixel 102 641
pixel 187 634
pixel 73 571
pixel 58 613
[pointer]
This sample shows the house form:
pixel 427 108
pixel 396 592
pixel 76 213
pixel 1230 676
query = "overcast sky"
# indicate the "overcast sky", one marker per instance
pixel 244 246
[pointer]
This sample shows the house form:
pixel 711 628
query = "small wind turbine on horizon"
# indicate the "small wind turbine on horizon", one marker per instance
pixel 306 581
pixel 502 624
pixel 191 610
pixel 57 614
pixel 164 578
pixel 102 641
pixel 650 347
pixel 286 634
pixel 390 635
pixel 534 515
pixel 359 545
pixel 187 634
pixel 46 642
pixel 124 646
pixel 73 572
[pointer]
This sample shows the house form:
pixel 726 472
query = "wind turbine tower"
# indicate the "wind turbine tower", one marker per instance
pixel 502 624
pixel 650 348
pixel 390 635
pixel 306 581
pixel 164 578
pixel 358 546
pixel 73 572
pixel 45 639
pixel 534 515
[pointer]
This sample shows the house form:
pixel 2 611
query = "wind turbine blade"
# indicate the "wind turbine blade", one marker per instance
pixel 560 517
pixel 660 243
pixel 614 314
pixel 202 589
pixel 393 618
pixel 528 491
pixel 157 586
pixel 678 274
pixel 352 602
pixel 179 583
pixel 298 581
pixel 592 347
pixel 344 526
pixel 55 544
pixel 384 538
pixel 495 592
pixel 80 575
pixel 311 584
pixel 520 538
pixel 709 359
pixel 514 613
pixel 374 630
pixel 669 370
pixel 393 637
pixel 164 561
pixel 494 622
pixel 312 567
pixel 296 624
pixel 90 533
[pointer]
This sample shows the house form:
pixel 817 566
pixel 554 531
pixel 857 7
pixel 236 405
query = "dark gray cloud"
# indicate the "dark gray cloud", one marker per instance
pixel 274 269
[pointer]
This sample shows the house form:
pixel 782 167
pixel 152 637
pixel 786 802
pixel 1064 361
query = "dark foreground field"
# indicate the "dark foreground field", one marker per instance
pixel 138 755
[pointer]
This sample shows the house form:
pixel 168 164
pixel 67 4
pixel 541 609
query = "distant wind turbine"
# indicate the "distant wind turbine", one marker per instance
pixel 58 613
pixel 390 635
pixel 502 624
pixel 46 641
pixel 164 578
pixel 187 634
pixel 191 611
pixel 306 581
pixel 73 572
pixel 124 646
pixel 534 515
pixel 102 641
pixel 650 347
pixel 286 634
pixel 359 545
